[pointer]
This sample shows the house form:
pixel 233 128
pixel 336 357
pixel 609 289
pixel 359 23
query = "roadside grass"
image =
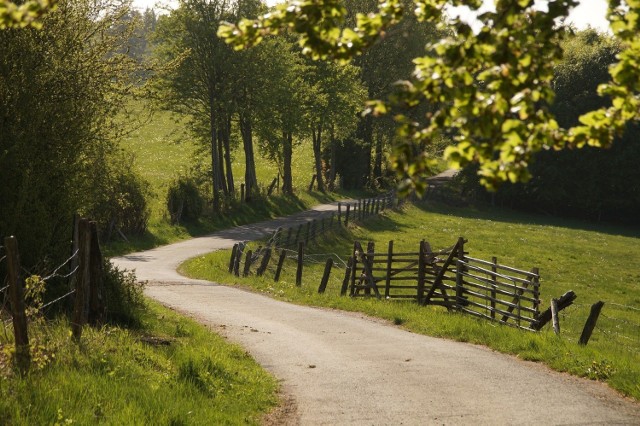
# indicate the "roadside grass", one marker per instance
pixel 163 150
pixel 598 262
pixel 170 371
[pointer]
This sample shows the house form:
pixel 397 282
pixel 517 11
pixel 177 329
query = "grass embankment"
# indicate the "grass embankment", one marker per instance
pixel 597 262
pixel 163 151
pixel 170 371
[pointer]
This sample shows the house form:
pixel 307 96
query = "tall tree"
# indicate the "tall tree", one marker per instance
pixel 492 86
pixel 336 98
pixel 196 84
pixel 60 90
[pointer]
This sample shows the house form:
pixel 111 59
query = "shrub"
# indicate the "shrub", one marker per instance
pixel 123 296
pixel 184 201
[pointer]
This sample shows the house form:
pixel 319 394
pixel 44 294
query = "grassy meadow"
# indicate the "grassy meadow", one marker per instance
pixel 598 262
pixel 170 371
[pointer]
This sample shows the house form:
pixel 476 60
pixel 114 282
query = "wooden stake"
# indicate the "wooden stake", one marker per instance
pixel 265 262
pixel 347 275
pixel 234 250
pixel 325 275
pixel 16 294
pixel 591 323
pixel 421 271
pixel 283 254
pixel 96 281
pixel 247 263
pixel 346 219
pixel 387 284
pixel 300 261
pixel 82 283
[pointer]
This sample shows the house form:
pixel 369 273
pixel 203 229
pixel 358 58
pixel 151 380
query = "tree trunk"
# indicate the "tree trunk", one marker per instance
pixel 215 159
pixel 377 167
pixel 223 181
pixel 367 137
pixel 246 130
pixel 334 157
pixel 226 136
pixel 317 155
pixel 287 152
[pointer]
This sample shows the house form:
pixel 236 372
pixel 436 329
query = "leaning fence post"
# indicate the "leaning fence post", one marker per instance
pixel 265 262
pixel 554 316
pixel 591 323
pixel 82 283
pixel 300 260
pixel 283 254
pixel 325 275
pixel 347 275
pixel 16 293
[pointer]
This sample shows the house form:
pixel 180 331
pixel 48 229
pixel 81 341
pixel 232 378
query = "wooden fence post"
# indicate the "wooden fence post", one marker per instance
pixel 232 261
pixel 554 316
pixel 371 249
pixel 354 268
pixel 387 284
pixel 82 283
pixel 494 278
pixel 347 275
pixel 16 294
pixel 265 262
pixel 346 219
pixel 339 212
pixel 591 323
pixel 238 259
pixel 300 261
pixel 421 271
pixel 247 263
pixel 283 254
pixel 536 292
pixel 96 289
pixel 459 270
pixel 325 275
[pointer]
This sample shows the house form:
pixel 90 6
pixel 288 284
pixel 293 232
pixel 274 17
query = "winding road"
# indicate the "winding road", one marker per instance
pixel 345 368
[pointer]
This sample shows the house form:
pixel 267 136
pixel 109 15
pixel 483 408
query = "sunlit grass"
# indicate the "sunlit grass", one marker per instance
pixel 164 150
pixel 597 262
pixel 171 371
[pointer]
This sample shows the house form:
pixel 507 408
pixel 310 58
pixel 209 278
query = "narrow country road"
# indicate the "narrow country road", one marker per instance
pixel 345 368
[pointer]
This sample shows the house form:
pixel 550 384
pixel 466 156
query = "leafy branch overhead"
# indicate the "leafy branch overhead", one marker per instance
pixel 490 90
pixel 29 13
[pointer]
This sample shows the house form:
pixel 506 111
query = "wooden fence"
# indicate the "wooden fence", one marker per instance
pixel 448 278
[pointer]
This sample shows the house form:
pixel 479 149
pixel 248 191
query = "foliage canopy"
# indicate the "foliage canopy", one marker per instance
pixel 492 88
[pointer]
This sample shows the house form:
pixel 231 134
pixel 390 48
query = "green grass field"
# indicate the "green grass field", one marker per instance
pixel 597 262
pixel 170 371
pixel 163 150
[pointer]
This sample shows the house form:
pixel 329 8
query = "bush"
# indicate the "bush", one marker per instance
pixel 184 201
pixel 123 294
pixel 119 198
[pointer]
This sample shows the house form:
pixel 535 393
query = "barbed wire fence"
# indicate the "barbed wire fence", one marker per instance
pixel 22 291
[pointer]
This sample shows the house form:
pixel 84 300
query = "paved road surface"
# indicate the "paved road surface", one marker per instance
pixel 345 368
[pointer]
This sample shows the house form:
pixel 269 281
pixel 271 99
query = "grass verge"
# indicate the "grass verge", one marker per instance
pixel 170 371
pixel 592 260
